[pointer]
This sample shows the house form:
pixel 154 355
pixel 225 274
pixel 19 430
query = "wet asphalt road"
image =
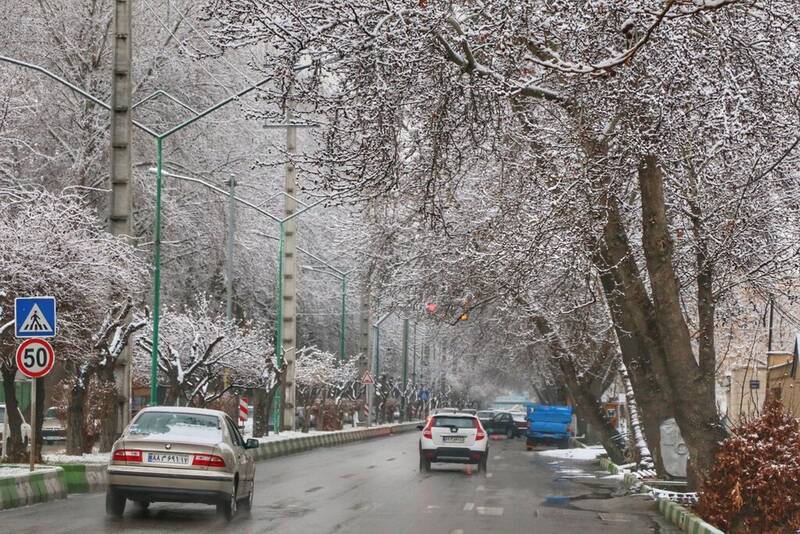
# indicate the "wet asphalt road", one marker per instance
pixel 374 487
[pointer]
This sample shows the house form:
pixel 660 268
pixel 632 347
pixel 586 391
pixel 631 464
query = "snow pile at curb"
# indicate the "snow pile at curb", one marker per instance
pixel 590 453
pixel 93 458
pixel 12 470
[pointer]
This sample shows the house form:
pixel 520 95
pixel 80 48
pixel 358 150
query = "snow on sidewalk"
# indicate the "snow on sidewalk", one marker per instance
pixel 589 453
pixel 93 458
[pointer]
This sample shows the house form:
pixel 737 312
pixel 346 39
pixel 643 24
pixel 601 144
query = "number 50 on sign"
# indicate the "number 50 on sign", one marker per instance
pixel 35 358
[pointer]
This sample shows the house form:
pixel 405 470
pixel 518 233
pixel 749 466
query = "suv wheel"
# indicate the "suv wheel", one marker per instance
pixel 424 464
pixel 484 462
pixel 115 503
pixel 510 432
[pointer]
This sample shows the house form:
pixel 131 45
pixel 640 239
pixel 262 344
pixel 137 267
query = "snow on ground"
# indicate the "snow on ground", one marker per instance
pixel 17 469
pixel 589 453
pixel 93 458
pixel 287 434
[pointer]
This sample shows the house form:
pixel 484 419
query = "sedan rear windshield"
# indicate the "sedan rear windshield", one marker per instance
pixel 174 425
pixel 459 422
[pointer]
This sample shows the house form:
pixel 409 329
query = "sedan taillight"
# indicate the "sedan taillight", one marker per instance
pixel 127 455
pixel 208 460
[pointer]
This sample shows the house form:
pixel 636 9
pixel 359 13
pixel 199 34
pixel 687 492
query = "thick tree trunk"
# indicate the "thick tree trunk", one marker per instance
pixel 108 429
pixel 635 325
pixel 260 415
pixel 76 416
pixel 693 390
pixel 16 452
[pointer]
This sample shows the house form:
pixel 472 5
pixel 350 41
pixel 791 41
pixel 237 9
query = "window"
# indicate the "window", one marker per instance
pixel 458 422
pixel 176 425
pixel 236 437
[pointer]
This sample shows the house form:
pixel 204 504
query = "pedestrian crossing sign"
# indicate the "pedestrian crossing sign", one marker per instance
pixel 35 317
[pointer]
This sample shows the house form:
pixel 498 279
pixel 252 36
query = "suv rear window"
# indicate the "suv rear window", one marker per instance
pixel 459 422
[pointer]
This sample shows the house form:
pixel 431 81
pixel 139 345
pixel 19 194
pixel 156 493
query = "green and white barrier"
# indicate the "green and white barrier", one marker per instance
pixel 42 485
pixel 84 478
pixel 684 519
pixel 273 449
pixel 678 515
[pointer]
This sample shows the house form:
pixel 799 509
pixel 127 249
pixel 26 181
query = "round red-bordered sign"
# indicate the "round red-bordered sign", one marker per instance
pixel 35 358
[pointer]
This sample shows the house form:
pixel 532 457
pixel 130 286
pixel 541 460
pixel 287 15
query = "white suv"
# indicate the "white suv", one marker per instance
pixel 453 438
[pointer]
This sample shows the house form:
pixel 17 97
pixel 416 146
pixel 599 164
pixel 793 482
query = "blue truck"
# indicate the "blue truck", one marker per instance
pixel 548 423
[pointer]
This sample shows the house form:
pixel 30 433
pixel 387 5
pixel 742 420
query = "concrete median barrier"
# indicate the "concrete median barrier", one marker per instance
pixel 43 485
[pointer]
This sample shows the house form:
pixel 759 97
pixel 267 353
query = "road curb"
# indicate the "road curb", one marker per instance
pixel 684 519
pixel 678 515
pixel 43 485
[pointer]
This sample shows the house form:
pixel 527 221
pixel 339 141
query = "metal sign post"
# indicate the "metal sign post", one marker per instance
pixel 33 424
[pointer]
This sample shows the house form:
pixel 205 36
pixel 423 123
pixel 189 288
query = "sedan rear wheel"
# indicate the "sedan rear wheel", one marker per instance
pixel 247 504
pixel 227 509
pixel 510 433
pixel 115 503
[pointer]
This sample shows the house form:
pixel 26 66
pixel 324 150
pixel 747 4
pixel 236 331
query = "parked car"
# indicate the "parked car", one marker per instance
pixel 502 423
pixel 469 411
pixel 485 416
pixel 175 454
pixel 52 428
pixel 549 424
pixel 453 438
pixel 521 421
pixel 26 428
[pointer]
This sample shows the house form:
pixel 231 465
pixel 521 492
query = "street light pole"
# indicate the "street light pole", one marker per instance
pixel 230 248
pixel 376 368
pixel 343 323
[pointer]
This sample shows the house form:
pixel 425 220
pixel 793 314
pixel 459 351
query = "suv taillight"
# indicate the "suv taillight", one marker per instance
pixel 127 455
pixel 208 460
pixel 481 434
pixel 426 432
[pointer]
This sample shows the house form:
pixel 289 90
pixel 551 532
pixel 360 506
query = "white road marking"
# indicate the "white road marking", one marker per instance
pixel 433 507
pixel 498 457
pixel 480 488
pixel 489 510
pixel 489 475
pixel 457 531
pixel 469 506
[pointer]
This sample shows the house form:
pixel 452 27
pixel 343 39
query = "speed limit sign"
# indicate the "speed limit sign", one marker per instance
pixel 35 358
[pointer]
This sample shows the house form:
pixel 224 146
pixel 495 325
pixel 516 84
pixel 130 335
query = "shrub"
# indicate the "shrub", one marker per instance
pixel 754 484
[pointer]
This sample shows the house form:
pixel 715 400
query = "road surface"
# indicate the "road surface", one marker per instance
pixel 375 486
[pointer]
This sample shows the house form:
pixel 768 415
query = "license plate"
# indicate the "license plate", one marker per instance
pixel 167 458
pixel 453 439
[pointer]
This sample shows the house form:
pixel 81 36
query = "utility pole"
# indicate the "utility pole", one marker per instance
pixel 289 327
pixel 121 201
pixel 229 255
pixel 414 360
pixel 405 369
pixel 364 321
